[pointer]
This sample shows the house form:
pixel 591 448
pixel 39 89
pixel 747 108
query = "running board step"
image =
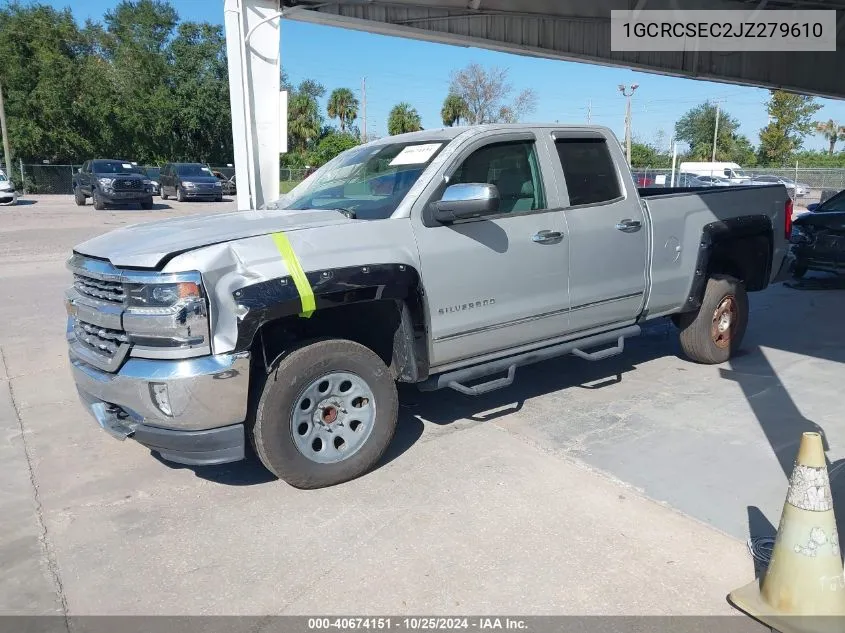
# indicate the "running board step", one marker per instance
pixel 456 379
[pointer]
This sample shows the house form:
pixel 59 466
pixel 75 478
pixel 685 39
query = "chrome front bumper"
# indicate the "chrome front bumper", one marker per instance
pixel 201 393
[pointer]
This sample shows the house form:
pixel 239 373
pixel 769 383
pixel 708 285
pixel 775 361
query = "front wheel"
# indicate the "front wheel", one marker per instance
pixel 326 415
pixel 180 194
pixel 99 203
pixel 799 271
pixel 715 332
pixel 147 204
pixel 162 193
pixel 78 197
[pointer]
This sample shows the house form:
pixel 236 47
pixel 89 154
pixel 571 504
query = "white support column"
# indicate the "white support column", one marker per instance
pixel 252 49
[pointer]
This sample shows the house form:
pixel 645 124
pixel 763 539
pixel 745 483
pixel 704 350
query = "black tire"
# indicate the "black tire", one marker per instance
pixel 99 205
pixel 180 194
pixel 78 197
pixel 147 204
pixel 162 194
pixel 219 199
pixel 272 436
pixel 799 271
pixel 701 338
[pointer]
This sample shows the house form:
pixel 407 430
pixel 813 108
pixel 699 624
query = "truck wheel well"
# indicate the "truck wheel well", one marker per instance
pixel 747 258
pixel 392 328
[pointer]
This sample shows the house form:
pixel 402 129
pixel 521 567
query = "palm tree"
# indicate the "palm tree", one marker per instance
pixel 343 105
pixel 303 120
pixel 832 131
pixel 454 109
pixel 403 118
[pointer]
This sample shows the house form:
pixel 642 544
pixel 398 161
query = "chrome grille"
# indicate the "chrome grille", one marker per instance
pixel 102 340
pixel 111 291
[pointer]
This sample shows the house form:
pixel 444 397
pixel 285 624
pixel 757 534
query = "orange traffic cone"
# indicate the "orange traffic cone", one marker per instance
pixel 803 590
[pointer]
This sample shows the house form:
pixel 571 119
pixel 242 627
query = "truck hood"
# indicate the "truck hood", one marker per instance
pixel 146 245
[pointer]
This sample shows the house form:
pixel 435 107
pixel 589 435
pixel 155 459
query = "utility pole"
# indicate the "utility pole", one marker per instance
pixel 589 111
pixel 364 103
pixel 715 133
pixel 627 95
pixel 7 154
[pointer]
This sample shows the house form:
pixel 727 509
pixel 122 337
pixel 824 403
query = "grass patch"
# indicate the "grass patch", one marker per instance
pixel 287 185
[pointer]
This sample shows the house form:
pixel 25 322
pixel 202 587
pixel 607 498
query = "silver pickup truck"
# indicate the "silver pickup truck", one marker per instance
pixel 445 258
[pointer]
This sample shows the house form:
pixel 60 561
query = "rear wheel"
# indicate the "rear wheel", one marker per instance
pixel 326 414
pixel 715 332
pixel 99 203
pixel 78 197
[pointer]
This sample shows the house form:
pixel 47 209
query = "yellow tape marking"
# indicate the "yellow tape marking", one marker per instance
pixel 306 294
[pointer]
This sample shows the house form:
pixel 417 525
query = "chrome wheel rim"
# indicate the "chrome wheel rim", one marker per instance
pixel 333 417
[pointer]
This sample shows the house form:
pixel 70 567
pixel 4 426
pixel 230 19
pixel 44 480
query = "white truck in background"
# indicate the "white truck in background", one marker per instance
pixel 731 171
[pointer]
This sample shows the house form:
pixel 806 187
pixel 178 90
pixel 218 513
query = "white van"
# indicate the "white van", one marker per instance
pixel 8 195
pixel 731 171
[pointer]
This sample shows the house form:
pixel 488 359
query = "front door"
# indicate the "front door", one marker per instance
pixel 500 281
pixel 609 245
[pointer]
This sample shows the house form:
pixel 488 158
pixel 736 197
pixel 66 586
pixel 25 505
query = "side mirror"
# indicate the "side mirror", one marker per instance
pixel 812 206
pixel 466 200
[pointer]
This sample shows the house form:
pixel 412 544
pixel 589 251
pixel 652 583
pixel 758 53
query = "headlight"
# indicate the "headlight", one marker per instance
pixel 106 182
pixel 218 184
pixel 172 315
pixel 189 185
pixel 147 182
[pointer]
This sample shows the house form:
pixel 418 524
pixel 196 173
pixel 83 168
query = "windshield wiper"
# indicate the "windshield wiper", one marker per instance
pixel 349 213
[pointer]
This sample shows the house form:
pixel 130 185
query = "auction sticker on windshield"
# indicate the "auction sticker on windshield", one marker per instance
pixel 415 154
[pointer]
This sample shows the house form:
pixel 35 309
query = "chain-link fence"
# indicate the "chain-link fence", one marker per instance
pixel 58 179
pixel 814 184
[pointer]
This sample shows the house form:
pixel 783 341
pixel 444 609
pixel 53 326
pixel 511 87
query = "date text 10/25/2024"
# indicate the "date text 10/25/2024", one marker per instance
pixel 417 623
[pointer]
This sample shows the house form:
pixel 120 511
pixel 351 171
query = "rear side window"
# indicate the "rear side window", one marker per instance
pixel 588 169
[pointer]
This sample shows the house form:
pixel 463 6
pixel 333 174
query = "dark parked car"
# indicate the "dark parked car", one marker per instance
pixel 228 184
pixel 111 181
pixel 154 173
pixel 818 237
pixel 189 181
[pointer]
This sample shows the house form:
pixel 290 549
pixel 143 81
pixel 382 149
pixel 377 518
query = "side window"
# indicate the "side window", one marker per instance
pixel 729 173
pixel 589 170
pixel 514 169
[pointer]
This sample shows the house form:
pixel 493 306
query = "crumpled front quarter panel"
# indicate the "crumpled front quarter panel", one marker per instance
pixel 231 266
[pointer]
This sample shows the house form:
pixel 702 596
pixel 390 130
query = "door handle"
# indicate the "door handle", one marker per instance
pixel 629 226
pixel 546 236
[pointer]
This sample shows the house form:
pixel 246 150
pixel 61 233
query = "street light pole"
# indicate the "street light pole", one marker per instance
pixel 628 95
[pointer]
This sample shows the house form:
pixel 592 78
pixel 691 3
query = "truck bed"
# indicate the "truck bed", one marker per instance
pixel 676 216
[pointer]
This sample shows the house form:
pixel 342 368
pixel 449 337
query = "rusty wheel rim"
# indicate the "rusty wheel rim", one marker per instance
pixel 724 321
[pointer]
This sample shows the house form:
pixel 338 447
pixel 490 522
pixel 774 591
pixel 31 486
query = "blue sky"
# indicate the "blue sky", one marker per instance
pixel 418 72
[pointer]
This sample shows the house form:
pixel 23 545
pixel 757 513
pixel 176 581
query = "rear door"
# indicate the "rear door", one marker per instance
pixel 500 281
pixel 609 239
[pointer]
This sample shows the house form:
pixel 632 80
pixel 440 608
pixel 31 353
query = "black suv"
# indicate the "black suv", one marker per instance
pixel 189 181
pixel 110 181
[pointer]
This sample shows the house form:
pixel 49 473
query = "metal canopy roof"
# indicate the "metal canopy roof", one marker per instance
pixel 579 30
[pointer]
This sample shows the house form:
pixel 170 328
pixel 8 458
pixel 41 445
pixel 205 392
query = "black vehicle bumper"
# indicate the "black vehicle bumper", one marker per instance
pixel 194 448
pixel 202 195
pixel 125 197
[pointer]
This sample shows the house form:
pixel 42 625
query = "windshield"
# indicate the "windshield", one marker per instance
pixel 115 167
pixel 3 177
pixel 366 182
pixel 193 169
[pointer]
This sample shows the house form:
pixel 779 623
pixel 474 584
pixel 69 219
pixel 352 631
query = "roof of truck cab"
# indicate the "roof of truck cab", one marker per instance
pixel 449 133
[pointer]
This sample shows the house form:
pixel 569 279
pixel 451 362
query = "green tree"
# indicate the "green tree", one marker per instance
pixel 790 120
pixel 331 145
pixel 304 121
pixel 454 109
pixel 343 105
pixel 403 118
pixel 819 158
pixel 696 128
pixel 832 132
pixel 647 155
